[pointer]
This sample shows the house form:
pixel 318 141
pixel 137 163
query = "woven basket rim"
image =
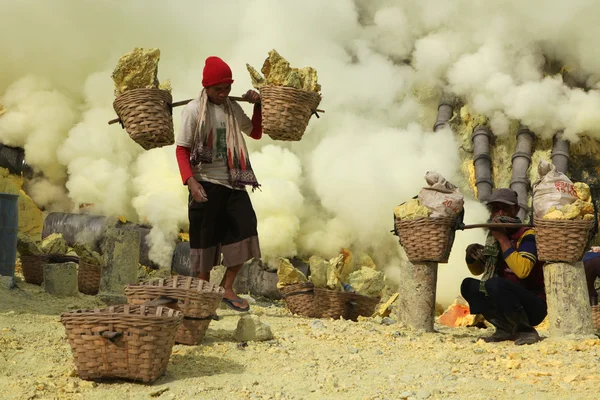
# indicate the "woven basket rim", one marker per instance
pixel 575 222
pixel 167 284
pixel 155 312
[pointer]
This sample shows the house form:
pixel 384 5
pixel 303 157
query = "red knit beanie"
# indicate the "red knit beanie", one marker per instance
pixel 216 71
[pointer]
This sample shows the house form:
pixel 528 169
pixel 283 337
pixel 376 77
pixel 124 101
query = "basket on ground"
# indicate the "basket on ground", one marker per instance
pixel 88 277
pixel 146 115
pixel 334 304
pixel 33 268
pixel 197 299
pixel 131 342
pixel 286 111
pixel 596 316
pixel 427 239
pixel 563 240
pixel 299 298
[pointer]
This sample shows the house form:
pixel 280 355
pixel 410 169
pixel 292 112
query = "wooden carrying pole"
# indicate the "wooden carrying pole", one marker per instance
pixel 184 102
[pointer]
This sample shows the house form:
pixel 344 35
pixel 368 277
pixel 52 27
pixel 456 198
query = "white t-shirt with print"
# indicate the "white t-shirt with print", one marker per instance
pixel 215 172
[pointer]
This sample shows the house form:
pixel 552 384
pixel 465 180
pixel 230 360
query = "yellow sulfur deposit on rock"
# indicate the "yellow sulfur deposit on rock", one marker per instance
pixel 277 72
pixel 348 265
pixel 287 274
pixel 367 281
pixel 54 244
pixel 184 236
pixel 411 210
pixel 26 246
pixel 2 110
pixel 86 254
pixel 138 69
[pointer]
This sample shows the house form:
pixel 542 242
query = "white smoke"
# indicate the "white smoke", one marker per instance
pixel 382 65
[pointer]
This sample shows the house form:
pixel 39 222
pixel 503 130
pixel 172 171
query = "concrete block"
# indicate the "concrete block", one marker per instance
pixel 121 254
pixel 61 279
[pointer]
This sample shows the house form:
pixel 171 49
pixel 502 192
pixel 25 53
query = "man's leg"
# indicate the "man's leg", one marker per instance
pixel 521 308
pixel 479 303
pixel 240 243
pixel 592 271
pixel 227 284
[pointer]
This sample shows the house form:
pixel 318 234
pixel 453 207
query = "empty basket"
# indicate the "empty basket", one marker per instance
pixel 132 342
pixel 197 299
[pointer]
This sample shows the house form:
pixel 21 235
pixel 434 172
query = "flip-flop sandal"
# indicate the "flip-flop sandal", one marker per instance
pixel 233 306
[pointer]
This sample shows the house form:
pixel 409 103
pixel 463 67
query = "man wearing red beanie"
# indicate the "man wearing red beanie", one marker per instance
pixel 214 164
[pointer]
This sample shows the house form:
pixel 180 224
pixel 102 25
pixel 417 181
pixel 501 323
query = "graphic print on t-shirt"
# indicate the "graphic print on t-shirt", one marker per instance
pixel 221 141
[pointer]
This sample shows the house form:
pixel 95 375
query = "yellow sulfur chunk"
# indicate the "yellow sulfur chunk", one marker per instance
pixel 411 210
pixel 583 191
pixel 287 274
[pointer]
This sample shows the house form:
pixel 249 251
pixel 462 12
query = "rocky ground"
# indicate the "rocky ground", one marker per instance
pixel 307 359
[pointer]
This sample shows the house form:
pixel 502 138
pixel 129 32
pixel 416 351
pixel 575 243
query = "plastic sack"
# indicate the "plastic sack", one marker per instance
pixel 553 189
pixel 441 197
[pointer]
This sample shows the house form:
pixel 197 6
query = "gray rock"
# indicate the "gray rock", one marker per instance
pixel 353 350
pixel 317 325
pixel 388 321
pixel 250 328
pixel 423 394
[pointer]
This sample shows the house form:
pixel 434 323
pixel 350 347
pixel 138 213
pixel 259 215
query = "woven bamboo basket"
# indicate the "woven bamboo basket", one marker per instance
pixel 197 299
pixel 334 304
pixel 427 239
pixel 299 298
pixel 146 115
pixel 88 277
pixel 564 240
pixel 33 269
pixel 596 316
pixel 286 111
pixel 131 342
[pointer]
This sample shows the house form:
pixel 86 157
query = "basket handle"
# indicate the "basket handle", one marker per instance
pixel 162 301
pixel 111 335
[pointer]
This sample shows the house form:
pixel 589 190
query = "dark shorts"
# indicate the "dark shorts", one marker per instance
pixel 225 224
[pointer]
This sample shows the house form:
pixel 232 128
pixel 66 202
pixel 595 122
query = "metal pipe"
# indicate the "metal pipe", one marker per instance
pixel 445 110
pixel 13 158
pixel 560 153
pixel 521 160
pixel 482 137
pixel 89 229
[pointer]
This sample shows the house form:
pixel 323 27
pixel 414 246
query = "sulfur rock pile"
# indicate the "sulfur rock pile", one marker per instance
pixel 344 273
pixel 86 254
pixel 138 69
pixel 277 72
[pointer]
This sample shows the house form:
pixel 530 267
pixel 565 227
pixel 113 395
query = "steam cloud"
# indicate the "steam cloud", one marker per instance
pixel 382 65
